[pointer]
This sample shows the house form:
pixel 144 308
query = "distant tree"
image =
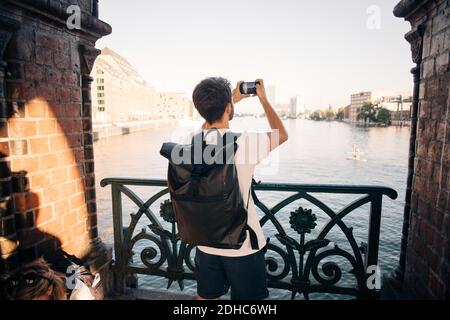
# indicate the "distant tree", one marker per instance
pixel 383 115
pixel 316 115
pixel 367 113
pixel 340 114
pixel 329 114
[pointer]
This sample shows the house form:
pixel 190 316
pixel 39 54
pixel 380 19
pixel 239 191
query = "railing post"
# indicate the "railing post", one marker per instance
pixel 374 231
pixel 118 239
pixel 371 258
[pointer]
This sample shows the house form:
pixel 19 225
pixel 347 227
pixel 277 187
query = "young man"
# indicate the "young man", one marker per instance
pixel 243 269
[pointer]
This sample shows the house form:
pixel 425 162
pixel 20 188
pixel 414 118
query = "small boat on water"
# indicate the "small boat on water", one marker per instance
pixel 355 155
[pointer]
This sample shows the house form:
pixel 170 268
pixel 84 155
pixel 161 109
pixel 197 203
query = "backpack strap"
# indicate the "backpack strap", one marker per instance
pixel 253 237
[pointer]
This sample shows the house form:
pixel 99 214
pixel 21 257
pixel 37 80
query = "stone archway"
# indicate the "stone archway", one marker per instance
pixel 47 182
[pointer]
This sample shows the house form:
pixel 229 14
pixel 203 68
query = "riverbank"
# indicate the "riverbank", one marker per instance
pixel 393 123
pixel 101 131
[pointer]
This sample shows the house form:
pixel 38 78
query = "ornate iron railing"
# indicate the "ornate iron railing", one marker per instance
pixel 302 266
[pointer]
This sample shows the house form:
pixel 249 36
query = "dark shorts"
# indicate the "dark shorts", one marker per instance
pixel 246 276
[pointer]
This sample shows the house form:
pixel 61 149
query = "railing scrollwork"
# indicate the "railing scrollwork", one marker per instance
pixel 296 260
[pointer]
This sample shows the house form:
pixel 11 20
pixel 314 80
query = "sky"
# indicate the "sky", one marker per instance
pixel 321 50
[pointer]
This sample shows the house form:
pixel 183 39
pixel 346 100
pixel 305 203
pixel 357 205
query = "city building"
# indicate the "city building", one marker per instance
pixel 398 104
pixel 120 94
pixel 296 107
pixel 347 112
pixel 357 100
pixel 174 105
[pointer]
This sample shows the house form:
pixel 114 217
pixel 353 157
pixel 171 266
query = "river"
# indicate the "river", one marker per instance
pixel 315 153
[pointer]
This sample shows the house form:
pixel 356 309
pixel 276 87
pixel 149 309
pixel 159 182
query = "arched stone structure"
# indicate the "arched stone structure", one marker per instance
pixel 47 182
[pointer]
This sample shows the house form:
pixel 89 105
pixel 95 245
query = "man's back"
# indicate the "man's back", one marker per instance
pixel 252 149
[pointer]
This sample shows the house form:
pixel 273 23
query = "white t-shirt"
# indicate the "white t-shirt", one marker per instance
pixel 253 147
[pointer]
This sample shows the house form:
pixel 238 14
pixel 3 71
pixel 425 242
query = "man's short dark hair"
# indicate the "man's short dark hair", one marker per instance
pixel 211 96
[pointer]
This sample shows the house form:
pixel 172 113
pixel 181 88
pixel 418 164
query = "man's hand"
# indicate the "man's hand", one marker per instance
pixel 237 95
pixel 261 90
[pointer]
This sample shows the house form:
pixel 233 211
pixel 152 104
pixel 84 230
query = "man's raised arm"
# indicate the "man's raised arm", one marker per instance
pixel 279 134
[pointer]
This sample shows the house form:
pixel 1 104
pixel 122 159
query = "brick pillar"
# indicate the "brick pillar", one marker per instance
pixel 8 240
pixel 392 284
pixel 88 55
pixel 47 129
pixel 428 247
pixel 99 256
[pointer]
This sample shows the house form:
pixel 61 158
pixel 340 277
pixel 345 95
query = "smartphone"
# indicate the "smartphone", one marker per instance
pixel 248 87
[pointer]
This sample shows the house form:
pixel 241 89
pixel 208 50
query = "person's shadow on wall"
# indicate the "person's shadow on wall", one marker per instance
pixel 30 241
pixel 23 209
pixel 33 242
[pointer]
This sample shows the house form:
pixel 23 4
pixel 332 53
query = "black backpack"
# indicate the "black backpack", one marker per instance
pixel 206 198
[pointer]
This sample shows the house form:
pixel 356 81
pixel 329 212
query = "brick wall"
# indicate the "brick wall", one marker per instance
pixel 46 136
pixel 47 199
pixel 428 250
